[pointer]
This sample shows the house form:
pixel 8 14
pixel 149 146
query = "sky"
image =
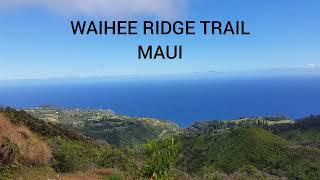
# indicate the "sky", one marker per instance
pixel 36 39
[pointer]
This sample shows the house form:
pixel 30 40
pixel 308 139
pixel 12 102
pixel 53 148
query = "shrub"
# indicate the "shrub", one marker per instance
pixel 162 156
pixel 70 156
pixel 8 152
pixel 251 171
pixel 113 158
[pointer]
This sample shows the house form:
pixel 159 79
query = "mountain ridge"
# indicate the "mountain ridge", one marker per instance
pixel 251 148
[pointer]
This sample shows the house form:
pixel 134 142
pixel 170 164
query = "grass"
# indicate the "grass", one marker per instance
pixel 40 172
pixel 19 145
pixel 96 174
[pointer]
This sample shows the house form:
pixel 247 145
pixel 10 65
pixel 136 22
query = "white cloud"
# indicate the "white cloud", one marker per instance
pixel 310 66
pixel 162 8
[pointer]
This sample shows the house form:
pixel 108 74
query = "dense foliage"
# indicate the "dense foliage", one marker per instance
pixel 122 133
pixel 253 146
pixel 161 158
pixel 305 132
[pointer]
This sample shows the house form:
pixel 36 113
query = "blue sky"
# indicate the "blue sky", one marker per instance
pixel 37 42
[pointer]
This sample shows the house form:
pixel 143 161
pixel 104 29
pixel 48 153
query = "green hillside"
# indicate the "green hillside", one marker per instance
pixel 40 127
pixel 43 143
pixel 106 126
pixel 33 149
pixel 245 146
pixel 304 132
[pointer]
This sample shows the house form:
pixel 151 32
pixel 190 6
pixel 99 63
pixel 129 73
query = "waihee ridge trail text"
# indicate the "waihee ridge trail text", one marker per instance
pixel 159 28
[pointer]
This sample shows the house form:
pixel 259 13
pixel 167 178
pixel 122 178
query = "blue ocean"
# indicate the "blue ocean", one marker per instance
pixel 182 101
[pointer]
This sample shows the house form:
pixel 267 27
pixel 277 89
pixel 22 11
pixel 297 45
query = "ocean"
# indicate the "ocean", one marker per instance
pixel 182 101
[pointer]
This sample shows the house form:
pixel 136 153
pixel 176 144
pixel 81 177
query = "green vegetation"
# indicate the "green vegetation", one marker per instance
pixel 304 132
pixel 105 126
pixel 40 127
pixel 19 147
pixel 273 124
pixel 125 133
pixel 251 146
pixel 53 146
pixel 70 156
pixel 120 147
pixel 161 158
